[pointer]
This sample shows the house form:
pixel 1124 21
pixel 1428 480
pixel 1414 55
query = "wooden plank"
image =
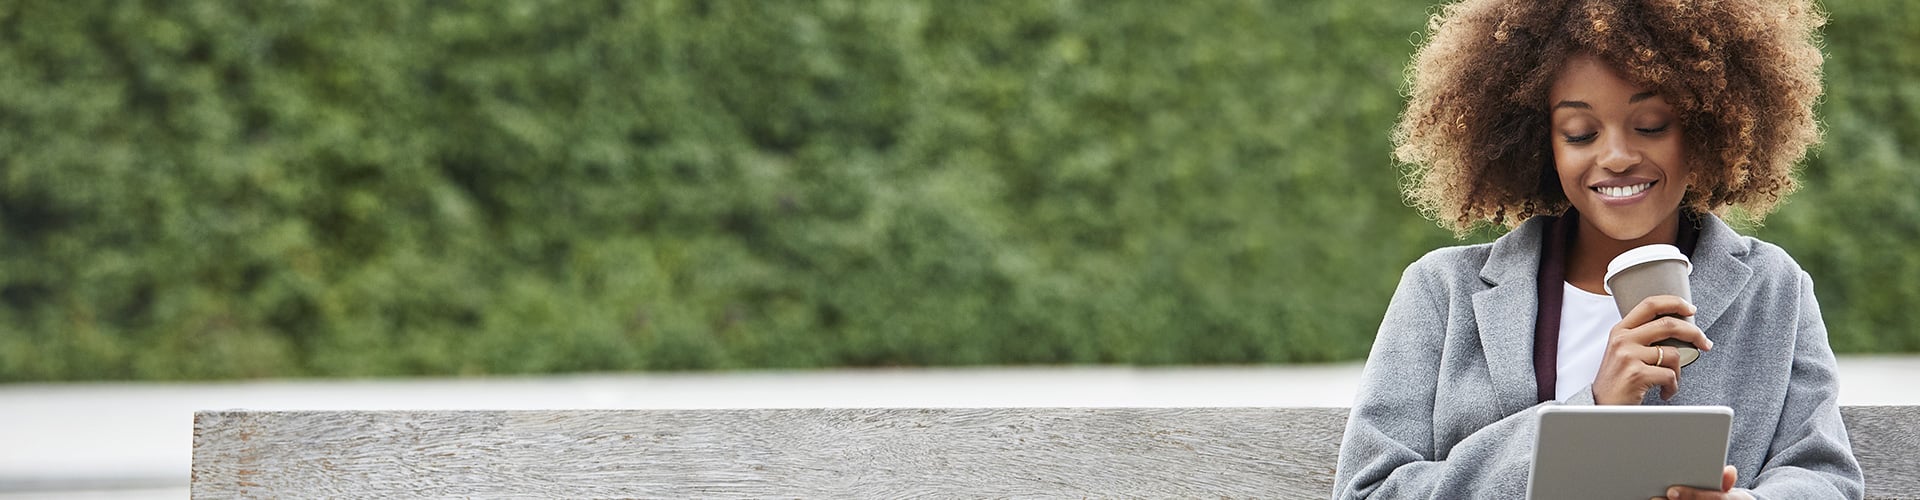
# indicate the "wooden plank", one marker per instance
pixel 808 453
pixel 991 452
pixel 1886 441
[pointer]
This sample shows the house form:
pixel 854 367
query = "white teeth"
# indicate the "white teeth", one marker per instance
pixel 1623 191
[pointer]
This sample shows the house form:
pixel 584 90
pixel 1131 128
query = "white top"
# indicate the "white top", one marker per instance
pixel 1585 320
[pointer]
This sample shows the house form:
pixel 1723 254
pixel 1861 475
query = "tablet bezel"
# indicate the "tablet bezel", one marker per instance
pixel 1604 451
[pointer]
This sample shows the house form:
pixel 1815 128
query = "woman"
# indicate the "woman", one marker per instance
pixel 1592 127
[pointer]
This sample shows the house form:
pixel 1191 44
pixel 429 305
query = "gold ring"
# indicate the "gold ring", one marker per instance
pixel 1663 356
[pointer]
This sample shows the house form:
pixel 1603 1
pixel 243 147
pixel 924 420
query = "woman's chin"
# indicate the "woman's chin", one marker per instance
pixel 1632 223
pixel 1625 230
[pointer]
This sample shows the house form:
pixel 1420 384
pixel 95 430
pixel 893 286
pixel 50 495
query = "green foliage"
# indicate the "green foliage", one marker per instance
pixel 1855 226
pixel 211 189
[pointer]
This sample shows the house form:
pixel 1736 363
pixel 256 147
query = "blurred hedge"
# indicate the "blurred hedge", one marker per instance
pixel 206 189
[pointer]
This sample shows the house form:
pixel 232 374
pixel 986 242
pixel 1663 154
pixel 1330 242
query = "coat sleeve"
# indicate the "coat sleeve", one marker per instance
pixel 1810 456
pixel 1388 450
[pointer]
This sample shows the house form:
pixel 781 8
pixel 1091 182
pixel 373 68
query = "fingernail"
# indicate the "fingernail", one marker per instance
pixel 1673 492
pixel 1709 344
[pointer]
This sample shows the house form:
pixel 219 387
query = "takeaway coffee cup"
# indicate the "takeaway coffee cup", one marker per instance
pixel 1648 271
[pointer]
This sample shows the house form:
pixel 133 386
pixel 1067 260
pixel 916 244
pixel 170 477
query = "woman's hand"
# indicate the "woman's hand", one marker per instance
pixel 1632 364
pixel 1727 490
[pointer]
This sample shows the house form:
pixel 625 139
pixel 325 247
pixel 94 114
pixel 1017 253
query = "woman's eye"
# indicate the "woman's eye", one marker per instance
pixel 1580 139
pixel 1654 130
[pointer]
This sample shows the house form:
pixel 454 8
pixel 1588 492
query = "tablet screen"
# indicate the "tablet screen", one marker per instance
pixel 1620 452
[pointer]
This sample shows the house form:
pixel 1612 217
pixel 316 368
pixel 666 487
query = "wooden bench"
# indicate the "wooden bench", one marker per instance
pixel 837 453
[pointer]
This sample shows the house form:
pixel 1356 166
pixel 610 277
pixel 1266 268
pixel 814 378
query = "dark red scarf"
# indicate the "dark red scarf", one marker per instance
pixel 1553 272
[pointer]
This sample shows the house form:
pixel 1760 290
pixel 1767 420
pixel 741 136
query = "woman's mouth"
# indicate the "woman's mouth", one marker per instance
pixel 1624 191
pixel 1622 195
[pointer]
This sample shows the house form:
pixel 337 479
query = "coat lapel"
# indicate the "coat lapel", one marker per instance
pixel 1505 312
pixel 1718 273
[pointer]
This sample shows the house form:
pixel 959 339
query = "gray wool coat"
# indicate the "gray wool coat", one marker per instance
pixel 1446 401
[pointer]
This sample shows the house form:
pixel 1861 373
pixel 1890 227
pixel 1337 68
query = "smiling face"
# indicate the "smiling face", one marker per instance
pixel 1618 151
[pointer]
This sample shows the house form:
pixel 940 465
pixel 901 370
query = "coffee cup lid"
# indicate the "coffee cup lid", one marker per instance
pixel 1641 255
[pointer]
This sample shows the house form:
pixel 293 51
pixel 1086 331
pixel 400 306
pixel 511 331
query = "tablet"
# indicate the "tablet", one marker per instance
pixel 1621 452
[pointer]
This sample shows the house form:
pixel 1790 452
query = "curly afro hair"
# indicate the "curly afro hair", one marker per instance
pixel 1743 76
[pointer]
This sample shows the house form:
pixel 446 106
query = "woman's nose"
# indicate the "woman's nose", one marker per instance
pixel 1619 154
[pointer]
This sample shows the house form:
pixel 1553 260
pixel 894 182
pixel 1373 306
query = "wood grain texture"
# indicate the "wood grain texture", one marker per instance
pixel 1886 440
pixel 887 453
pixel 1168 452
